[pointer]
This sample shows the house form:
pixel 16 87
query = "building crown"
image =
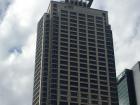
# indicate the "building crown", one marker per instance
pixel 83 3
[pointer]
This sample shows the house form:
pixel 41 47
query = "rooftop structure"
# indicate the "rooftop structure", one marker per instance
pixel 84 3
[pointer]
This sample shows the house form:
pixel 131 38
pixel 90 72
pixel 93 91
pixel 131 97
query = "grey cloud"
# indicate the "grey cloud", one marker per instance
pixel 4 4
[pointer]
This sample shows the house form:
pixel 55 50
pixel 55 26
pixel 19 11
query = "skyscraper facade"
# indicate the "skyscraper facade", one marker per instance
pixel 74 56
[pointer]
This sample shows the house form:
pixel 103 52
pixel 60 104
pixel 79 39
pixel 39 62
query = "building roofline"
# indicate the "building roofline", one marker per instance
pixel 79 6
pixel 83 3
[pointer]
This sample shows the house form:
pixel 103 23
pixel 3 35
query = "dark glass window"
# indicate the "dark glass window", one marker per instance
pixel 63 92
pixel 63 82
pixel 74 73
pixel 74 93
pixel 99 18
pixel 94 91
pixel 83 75
pixel 83 69
pixel 74 78
pixel 84 80
pixel 74 99
pixel 94 96
pixel 74 83
pixel 63 87
pixel 94 86
pixel 83 90
pixel 53 91
pixel 74 88
pixel 63 72
pixel 83 85
pixel 63 103
pixel 103 78
pixel 84 100
pixel 73 103
pixel 63 77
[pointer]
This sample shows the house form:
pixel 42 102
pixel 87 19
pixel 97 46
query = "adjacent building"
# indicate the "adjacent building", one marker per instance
pixel 74 56
pixel 129 85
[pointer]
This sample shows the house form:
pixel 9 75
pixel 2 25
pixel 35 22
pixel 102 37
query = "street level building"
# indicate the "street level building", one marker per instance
pixel 74 56
pixel 129 85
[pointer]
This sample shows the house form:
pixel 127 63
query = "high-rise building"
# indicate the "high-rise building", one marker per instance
pixel 74 56
pixel 128 86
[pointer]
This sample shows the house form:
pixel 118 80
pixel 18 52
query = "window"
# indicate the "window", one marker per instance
pixel 83 85
pixel 72 13
pixel 53 91
pixel 63 103
pixel 84 80
pixel 74 88
pixel 64 11
pixel 74 73
pixel 74 78
pixel 74 83
pixel 63 77
pixel 103 87
pixel 102 63
pixel 73 64
pixel 62 87
pixel 73 20
pixel 103 78
pixel 84 100
pixel 63 71
pixel 73 103
pixel 63 92
pixel 99 18
pixel 104 93
pixel 91 40
pixel 105 103
pixel 95 102
pixel 93 81
pixel 93 76
pixel 83 69
pixel 93 67
pixel 74 68
pixel 82 39
pixel 83 75
pixel 94 96
pixel 99 25
pixel 63 98
pixel 102 68
pixel 94 91
pixel 74 93
pixel 83 90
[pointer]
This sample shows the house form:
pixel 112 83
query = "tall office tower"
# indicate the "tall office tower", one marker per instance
pixel 74 56
pixel 129 85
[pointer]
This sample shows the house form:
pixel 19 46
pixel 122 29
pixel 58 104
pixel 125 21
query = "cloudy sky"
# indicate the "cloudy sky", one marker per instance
pixel 18 19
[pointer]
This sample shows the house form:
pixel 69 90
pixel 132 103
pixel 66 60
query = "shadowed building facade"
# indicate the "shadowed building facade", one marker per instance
pixel 74 56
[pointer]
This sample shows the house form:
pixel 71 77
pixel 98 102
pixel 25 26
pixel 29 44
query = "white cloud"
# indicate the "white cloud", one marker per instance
pixel 18 32
pixel 17 44
pixel 124 18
